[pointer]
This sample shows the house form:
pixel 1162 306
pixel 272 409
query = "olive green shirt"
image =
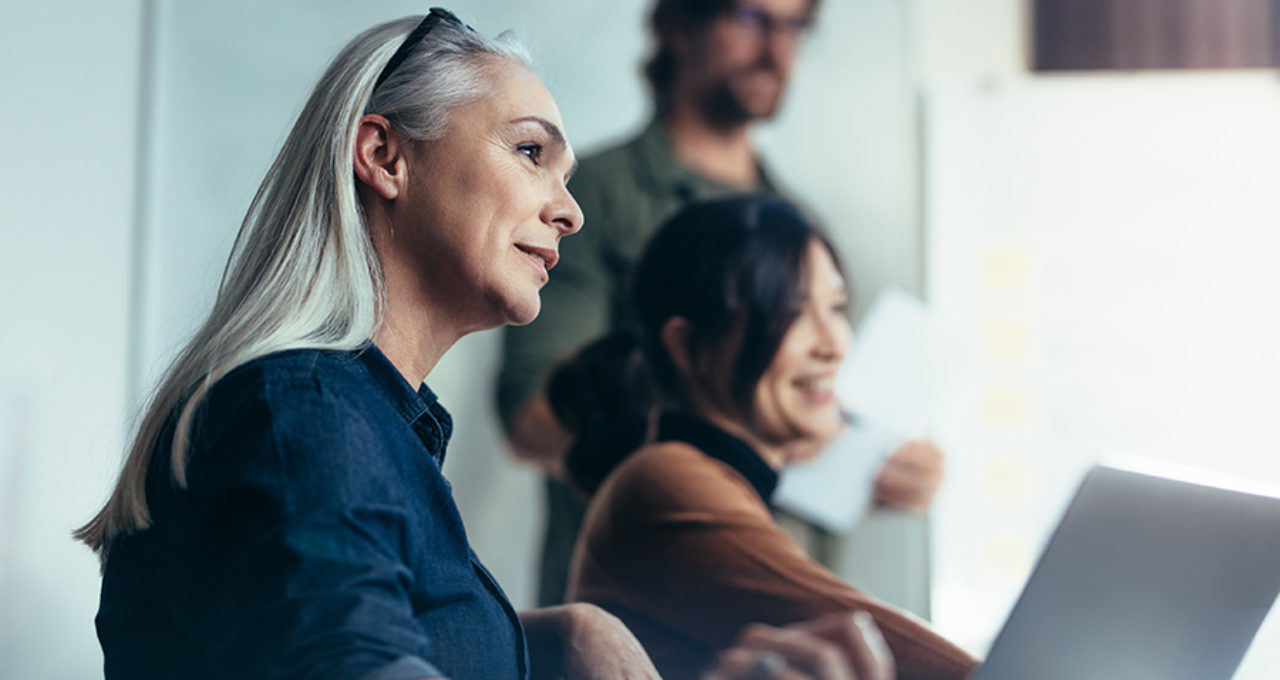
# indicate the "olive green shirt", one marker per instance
pixel 626 192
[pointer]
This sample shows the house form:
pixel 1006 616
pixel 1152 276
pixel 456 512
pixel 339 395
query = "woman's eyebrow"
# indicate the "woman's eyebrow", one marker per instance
pixel 557 137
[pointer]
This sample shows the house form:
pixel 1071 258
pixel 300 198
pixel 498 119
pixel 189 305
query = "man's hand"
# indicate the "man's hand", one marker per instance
pixel 584 642
pixel 910 476
pixel 845 646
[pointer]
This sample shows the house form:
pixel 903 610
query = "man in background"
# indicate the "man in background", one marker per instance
pixel 720 67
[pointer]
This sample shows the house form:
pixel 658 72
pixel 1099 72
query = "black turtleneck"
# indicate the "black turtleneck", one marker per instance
pixel 722 446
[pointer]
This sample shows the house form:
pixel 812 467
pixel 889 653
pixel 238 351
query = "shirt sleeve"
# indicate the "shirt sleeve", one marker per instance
pixel 577 301
pixel 295 561
pixel 406 668
pixel 701 533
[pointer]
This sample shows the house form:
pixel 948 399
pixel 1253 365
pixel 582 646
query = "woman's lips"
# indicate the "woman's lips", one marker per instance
pixel 817 389
pixel 546 257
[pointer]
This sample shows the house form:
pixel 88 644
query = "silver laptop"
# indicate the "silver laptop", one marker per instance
pixel 1146 576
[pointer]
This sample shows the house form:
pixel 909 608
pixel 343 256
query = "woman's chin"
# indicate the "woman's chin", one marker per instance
pixel 523 311
pixel 824 427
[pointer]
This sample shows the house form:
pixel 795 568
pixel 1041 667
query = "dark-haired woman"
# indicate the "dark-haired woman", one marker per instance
pixel 740 322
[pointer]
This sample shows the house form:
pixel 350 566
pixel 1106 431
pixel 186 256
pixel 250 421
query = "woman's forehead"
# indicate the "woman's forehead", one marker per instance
pixel 515 92
pixel 823 273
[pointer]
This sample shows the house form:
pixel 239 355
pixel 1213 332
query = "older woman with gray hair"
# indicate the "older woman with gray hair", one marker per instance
pixel 282 511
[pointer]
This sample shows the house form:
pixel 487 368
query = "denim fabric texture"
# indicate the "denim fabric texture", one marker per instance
pixel 316 538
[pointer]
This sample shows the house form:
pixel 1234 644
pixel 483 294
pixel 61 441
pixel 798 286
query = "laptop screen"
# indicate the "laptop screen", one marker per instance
pixel 1145 577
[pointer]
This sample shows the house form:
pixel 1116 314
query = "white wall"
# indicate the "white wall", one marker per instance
pixel 974 40
pixel 71 82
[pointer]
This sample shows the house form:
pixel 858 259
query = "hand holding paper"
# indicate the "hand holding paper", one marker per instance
pixel 910 476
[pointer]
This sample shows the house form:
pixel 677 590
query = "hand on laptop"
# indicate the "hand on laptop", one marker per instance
pixel 845 646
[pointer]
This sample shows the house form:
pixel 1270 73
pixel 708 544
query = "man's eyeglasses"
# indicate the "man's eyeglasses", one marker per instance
pixel 434 17
pixel 761 23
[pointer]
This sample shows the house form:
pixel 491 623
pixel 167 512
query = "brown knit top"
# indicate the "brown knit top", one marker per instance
pixel 680 545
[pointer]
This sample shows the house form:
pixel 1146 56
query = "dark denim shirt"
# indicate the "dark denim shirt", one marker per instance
pixel 316 538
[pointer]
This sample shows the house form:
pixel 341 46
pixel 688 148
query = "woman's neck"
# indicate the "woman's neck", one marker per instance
pixel 413 351
pixel 419 322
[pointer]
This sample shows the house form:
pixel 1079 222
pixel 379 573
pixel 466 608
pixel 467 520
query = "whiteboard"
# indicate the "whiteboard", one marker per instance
pixel 1103 251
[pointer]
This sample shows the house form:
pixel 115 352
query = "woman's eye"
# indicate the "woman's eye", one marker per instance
pixel 533 151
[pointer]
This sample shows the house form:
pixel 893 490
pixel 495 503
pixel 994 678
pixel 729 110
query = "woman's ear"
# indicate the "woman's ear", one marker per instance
pixel 675 340
pixel 699 389
pixel 379 158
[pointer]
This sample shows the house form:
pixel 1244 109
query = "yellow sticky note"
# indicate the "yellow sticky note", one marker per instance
pixel 1005 341
pixel 1004 410
pixel 1004 269
pixel 1004 481
pixel 1004 555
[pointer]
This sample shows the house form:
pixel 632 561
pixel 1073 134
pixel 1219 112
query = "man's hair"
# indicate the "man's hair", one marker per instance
pixel 680 17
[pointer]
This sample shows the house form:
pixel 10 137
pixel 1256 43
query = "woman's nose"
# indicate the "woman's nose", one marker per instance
pixel 563 212
pixel 833 339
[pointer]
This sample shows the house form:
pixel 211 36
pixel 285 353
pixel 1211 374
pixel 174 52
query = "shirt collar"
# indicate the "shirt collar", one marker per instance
pixel 664 171
pixel 722 446
pixel 420 408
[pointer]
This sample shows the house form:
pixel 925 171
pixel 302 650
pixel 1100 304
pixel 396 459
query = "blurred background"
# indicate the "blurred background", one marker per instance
pixel 1083 190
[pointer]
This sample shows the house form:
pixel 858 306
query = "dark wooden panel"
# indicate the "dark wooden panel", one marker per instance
pixel 1155 34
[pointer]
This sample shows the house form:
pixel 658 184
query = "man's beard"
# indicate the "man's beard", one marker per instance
pixel 726 107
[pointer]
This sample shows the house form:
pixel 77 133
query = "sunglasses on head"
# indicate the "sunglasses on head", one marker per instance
pixel 417 35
